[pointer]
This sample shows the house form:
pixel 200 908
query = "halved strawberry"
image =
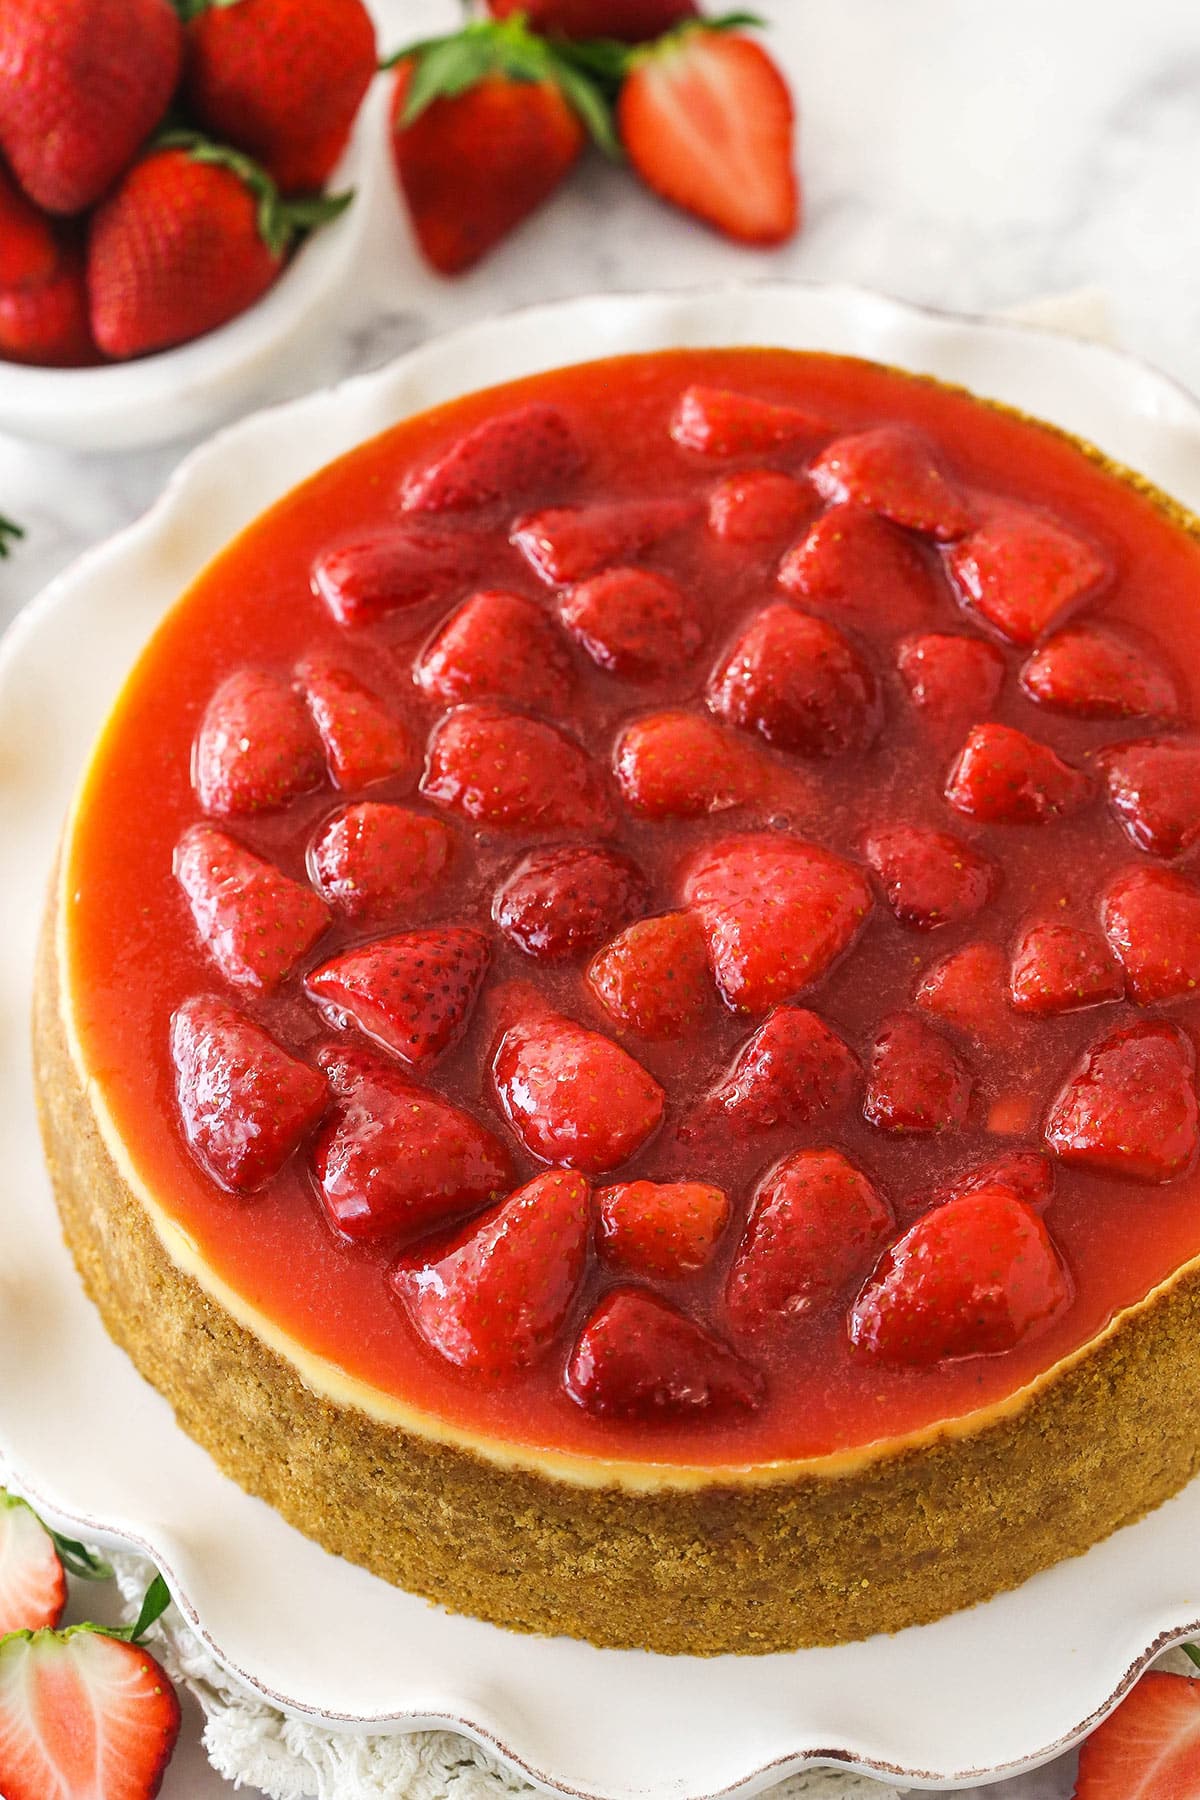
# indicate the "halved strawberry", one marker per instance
pixel 758 506
pixel 1149 1747
pixel 855 566
pixel 777 912
pixel 654 977
pixel 1128 1107
pixel 970 1278
pixel 1095 673
pixel 1025 1173
pixel 815 1223
pixel 930 878
pixel 33 1585
pixel 508 457
pixel 950 679
pixel 792 1070
pixel 1002 777
pixel 372 861
pixel 894 471
pixel 632 623
pixel 1154 790
pixel 395 1158
pixel 638 1357
pixel 1022 572
pixel 497 645
pixel 798 683
pixel 256 748
pixel 722 422
pixel 569 543
pixel 502 768
pixel 666 1228
pixel 681 765
pixel 413 993
pixel 255 922
pixel 1151 919
pixel 561 903
pixel 364 580
pixel 1058 968
pixel 573 1096
pixel 969 990
pixel 491 1298
pixel 916 1081
pixel 364 740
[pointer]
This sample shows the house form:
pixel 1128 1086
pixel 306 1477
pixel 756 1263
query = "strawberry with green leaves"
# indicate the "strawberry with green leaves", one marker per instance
pixel 1149 1748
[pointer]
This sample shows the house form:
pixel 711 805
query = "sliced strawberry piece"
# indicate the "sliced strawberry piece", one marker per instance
pixel 395 1158
pixel 492 1297
pixel 1025 1173
pixel 256 748
pixel 632 623
pixel 680 765
pixel 1149 1748
pixel 501 645
pixel 573 1096
pixel 776 912
pixel 1022 572
pixel 245 1102
pixel 799 683
pixel 561 903
pixel 1095 673
pixel 1059 968
pixel 916 1081
pixel 1154 790
pixel 930 878
pixel 862 570
pixel 792 1070
pixel 509 457
pixel 255 922
pixel 502 768
pixel 894 471
pixel 371 861
pixel 1002 777
pixel 661 1227
pixel 33 1587
pixel 721 422
pixel 569 543
pixel 363 581
pixel 654 977
pixel 1128 1108
pixel 640 1358
pixel 413 993
pixel 815 1223
pixel 951 679
pixel 364 740
pixel 970 1278
pixel 758 506
pixel 969 990
pixel 1151 918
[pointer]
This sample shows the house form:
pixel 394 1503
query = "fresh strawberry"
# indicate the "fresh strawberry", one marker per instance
pixel 916 1082
pixel 502 768
pixel 654 978
pixel 1151 918
pixel 569 543
pixel 969 990
pixel 1022 572
pixel 758 506
pixel 634 624
pixel 281 79
pixel 364 741
pixel 507 457
pixel 1154 790
pixel 720 422
pixel 573 1096
pixel 33 1585
pixel 413 993
pixel 630 21
pixel 930 878
pixel 1148 1748
pixel 373 861
pixel 1027 1174
pixel 660 1227
pixel 245 1102
pixel 1128 1108
pixel 799 683
pixel 950 680
pixel 562 903
pixel 256 748
pixel 894 471
pixel 255 922
pixel 395 1158
pixel 1002 777
pixel 47 323
pixel 28 245
pixel 793 1070
pixel 777 913
pixel 497 645
pixel 1058 968
pixel 815 1223
pixel 707 122
pixel 491 1298
pixel 363 581
pixel 681 765
pixel 970 1278
pixel 638 1357
pixel 1095 673
pixel 864 572
pixel 83 83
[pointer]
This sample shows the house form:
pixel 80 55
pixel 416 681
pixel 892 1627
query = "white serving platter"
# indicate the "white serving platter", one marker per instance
pixel 980 1695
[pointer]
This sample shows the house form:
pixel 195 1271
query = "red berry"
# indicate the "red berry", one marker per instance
pixel 680 765
pixel 758 506
pixel 968 989
pixel 640 1358
pixel 1022 572
pixel 632 623
pixel 862 571
pixel 1027 1174
pixel 894 471
pixel 364 580
pixel 799 683
pixel 507 457
pixel 413 993
pixel 791 1071
pixel 1154 790
pixel 46 323
pixel 364 741
pixel 1098 674
pixel 561 903
pixel 1128 1108
pixel 569 543
pixel 255 922
pixel 660 1228
pixel 256 748
pixel 497 645
pixel 654 977
pixel 1002 777
pixel 951 679
pixel 1059 968
pixel 373 861
pixel 930 878
pixel 29 252
pixel 501 768
pixel 720 422
pixel 916 1082
pixel 1151 918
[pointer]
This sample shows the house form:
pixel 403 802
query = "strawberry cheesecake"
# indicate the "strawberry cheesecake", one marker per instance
pixel 616 1025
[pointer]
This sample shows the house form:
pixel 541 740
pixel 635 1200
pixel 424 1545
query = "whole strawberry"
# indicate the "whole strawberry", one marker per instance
pixel 83 83
pixel 281 79
pixel 46 322
pixel 28 248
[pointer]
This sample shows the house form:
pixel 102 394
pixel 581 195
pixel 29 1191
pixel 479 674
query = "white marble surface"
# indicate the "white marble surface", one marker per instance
pixel 957 152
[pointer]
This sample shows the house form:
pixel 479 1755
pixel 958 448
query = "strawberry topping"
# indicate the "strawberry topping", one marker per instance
pixel 508 457
pixel 256 748
pixel 561 903
pixel 255 922
pixel 502 768
pixel 496 645
pixel 758 506
pixel 916 1081
pixel 792 1070
pixel 638 1357
pixel 969 990
pixel 1059 968
pixel 717 422
pixel 1022 573
pixel 365 580
pixel 895 472
pixel 371 860
pixel 680 765
pixel 799 683
pixel 1154 790
pixel 632 623
pixel 569 543
pixel 364 740
pixel 1128 1108
pixel 930 878
pixel 654 977
pixel 667 1228
pixel 1002 777
pixel 860 570
pixel 1151 918
pixel 950 679
pixel 1098 674
pixel 413 994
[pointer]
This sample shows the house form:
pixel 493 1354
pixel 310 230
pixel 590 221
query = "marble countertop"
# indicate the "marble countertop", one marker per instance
pixel 955 152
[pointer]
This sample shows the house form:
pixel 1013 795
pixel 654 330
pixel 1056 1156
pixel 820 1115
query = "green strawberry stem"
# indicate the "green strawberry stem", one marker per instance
pixel 609 61
pixel 1192 1653
pixel 155 1602
pixel 280 221
pixel 8 532
pixel 192 9
pixel 75 1557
